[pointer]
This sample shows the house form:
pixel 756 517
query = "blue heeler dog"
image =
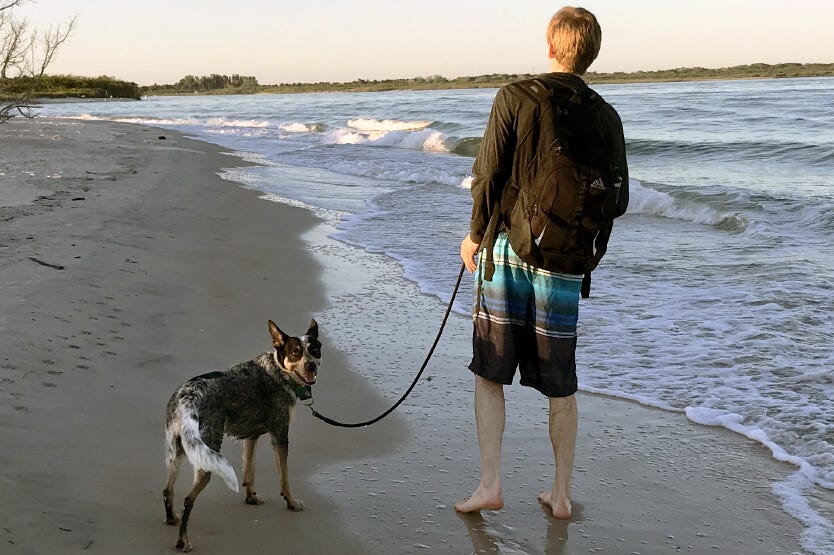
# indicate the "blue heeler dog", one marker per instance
pixel 247 401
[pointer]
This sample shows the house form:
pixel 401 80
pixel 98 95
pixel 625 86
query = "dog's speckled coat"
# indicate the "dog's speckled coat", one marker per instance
pixel 251 399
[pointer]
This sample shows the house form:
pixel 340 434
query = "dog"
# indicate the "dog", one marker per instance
pixel 250 399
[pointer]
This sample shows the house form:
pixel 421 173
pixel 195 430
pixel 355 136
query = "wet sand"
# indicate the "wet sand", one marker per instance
pixel 149 269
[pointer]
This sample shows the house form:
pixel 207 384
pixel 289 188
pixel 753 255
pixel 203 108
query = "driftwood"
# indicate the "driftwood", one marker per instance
pixel 42 263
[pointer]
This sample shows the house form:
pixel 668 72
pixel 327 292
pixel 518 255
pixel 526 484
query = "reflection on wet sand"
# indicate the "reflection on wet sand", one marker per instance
pixel 497 539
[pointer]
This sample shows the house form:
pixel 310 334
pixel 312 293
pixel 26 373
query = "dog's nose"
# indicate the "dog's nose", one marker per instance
pixel 310 366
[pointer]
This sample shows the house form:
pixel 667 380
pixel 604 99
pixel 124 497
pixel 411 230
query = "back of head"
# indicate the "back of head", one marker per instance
pixel 574 36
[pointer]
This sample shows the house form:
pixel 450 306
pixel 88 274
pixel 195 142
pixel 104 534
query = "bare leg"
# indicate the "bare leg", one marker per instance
pixel 168 493
pixel 489 416
pixel 563 422
pixel 249 472
pixel 281 462
pixel 201 479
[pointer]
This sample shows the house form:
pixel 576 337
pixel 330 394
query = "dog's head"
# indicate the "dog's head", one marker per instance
pixel 298 357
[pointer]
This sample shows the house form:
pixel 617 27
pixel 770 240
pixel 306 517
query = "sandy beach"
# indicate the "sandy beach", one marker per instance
pixel 127 266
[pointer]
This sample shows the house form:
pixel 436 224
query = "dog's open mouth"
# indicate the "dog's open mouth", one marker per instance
pixel 307 379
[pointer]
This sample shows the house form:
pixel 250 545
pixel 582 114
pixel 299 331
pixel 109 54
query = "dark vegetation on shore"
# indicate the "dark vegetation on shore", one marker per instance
pixel 204 85
pixel 63 86
pixel 208 84
pixel 69 86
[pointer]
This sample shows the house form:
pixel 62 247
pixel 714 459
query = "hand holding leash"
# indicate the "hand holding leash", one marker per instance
pixel 468 250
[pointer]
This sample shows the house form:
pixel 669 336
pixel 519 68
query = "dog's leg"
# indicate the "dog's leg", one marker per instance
pixel 280 445
pixel 201 479
pixel 173 465
pixel 249 472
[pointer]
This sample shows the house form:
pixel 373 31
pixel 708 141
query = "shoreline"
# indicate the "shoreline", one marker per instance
pixel 173 263
pixel 382 86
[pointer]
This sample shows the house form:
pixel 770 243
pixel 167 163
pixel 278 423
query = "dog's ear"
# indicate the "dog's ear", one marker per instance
pixel 313 331
pixel 278 337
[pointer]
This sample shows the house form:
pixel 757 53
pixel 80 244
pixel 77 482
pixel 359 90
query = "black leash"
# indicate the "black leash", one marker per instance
pixel 416 378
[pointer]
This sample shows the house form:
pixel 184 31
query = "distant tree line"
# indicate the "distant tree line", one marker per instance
pixel 433 82
pixel 212 85
pixel 751 71
pixel 228 84
pixel 220 84
pixel 60 86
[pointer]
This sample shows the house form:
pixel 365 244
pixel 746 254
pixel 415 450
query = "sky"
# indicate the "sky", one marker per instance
pixel 285 41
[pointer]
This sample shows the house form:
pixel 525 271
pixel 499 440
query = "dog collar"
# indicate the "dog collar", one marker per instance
pixel 302 392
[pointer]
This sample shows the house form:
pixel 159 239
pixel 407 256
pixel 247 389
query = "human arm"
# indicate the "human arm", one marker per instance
pixel 493 165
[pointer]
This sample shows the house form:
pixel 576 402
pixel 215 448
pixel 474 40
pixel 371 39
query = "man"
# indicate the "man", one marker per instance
pixel 525 314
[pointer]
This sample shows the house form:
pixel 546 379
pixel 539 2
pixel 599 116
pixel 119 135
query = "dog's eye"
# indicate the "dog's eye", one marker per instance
pixel 295 353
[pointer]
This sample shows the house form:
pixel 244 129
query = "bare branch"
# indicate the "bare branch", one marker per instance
pixel 22 105
pixel 52 39
pixel 8 4
pixel 13 47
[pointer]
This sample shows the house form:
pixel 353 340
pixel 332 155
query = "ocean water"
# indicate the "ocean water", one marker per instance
pixel 715 298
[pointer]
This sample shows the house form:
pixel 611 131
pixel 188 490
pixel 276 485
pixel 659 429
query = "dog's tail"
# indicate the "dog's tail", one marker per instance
pixel 201 455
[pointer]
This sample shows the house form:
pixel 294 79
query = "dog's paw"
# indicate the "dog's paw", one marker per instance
pixel 173 520
pixel 183 545
pixel 253 499
pixel 295 505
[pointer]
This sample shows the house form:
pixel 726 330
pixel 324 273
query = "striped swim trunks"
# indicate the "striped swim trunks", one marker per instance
pixel 525 318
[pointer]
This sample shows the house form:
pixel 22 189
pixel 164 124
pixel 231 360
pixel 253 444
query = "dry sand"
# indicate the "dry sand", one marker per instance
pixel 168 271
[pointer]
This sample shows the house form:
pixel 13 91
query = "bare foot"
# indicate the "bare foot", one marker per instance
pixel 489 499
pixel 560 508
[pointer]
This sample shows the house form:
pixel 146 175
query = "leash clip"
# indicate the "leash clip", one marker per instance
pixel 310 404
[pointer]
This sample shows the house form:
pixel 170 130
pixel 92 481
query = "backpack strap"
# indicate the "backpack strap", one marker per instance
pixel 540 91
pixel 585 289
pixel 488 242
